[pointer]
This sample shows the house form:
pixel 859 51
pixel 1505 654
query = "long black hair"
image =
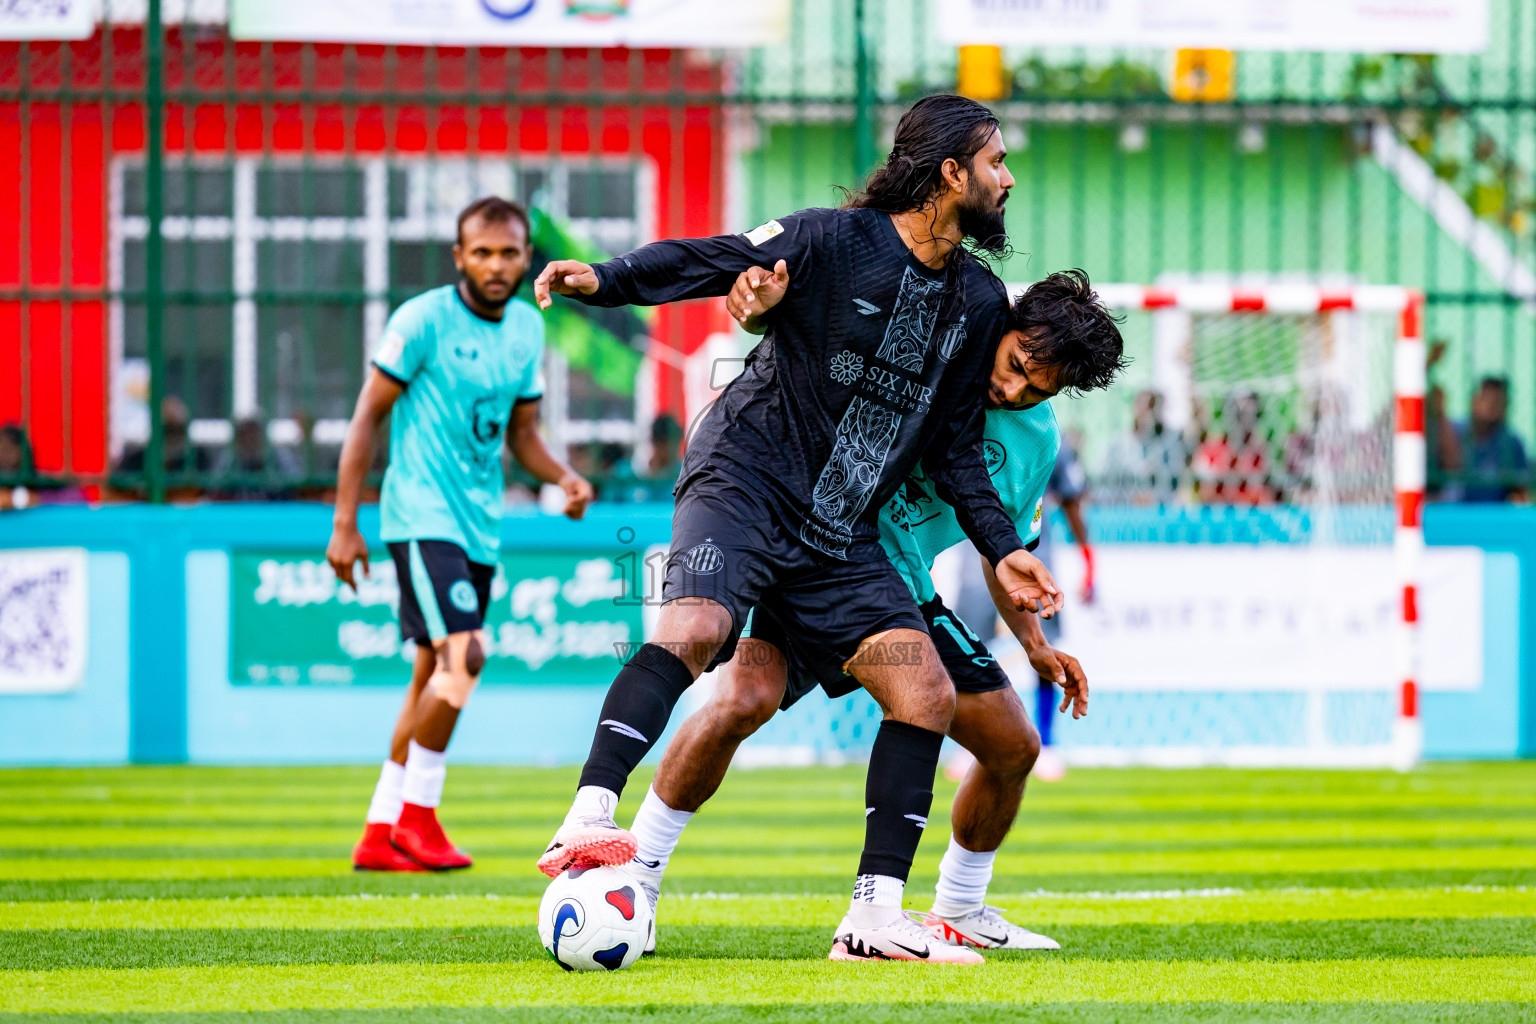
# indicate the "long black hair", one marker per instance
pixel 935 129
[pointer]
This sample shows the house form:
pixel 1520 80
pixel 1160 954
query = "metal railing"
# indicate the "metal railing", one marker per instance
pixel 227 224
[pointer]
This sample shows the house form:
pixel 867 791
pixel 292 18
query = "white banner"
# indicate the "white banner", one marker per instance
pixel 1365 26
pixel 44 627
pixel 1282 617
pixel 636 23
pixel 48 19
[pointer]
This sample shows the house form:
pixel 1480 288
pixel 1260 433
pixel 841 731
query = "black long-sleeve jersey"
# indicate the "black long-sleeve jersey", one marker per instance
pixel 872 361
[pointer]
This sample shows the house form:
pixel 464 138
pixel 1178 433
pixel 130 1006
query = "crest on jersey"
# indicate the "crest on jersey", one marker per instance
pixel 953 339
pixel 1039 512
pixel 847 367
pixel 994 455
pixel 486 421
pixel 704 559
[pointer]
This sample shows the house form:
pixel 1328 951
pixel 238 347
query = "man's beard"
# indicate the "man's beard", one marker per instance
pixel 484 299
pixel 981 220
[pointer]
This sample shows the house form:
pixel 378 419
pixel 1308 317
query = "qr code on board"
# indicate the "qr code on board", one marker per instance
pixel 42 620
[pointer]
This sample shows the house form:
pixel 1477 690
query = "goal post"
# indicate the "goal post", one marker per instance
pixel 1294 640
pixel 1403 309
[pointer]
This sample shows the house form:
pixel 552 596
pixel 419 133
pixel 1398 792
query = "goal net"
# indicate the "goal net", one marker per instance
pixel 1255 492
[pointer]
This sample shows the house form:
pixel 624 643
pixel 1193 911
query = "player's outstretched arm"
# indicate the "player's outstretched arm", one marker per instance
pixel 563 277
pixel 1058 666
pixel 528 448
pixel 689 268
pixel 347 546
pixel 755 292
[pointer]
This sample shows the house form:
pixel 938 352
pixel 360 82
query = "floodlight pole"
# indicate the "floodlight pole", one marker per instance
pixel 863 142
pixel 154 291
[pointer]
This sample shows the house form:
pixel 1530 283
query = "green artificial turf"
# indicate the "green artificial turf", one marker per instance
pixel 224 895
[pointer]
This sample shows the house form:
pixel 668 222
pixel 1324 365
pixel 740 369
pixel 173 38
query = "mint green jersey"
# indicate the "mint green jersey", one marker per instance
pixel 1020 446
pixel 462 375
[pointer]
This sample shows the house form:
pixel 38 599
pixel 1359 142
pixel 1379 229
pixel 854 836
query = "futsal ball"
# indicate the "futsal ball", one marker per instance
pixel 594 919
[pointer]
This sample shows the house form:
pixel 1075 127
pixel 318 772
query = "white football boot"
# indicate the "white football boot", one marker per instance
pixel 901 938
pixel 984 929
pixel 650 884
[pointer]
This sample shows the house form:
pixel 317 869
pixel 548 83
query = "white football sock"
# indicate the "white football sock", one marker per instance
pixel 384 808
pixel 592 802
pixel 963 879
pixel 425 771
pixel 876 900
pixel 657 829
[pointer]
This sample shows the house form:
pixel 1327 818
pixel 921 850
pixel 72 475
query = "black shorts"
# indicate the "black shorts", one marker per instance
pixel 729 546
pixel 441 591
pixel 970 665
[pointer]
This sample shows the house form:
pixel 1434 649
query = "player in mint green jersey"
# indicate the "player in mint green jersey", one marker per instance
pixel 458 373
pixel 1059 338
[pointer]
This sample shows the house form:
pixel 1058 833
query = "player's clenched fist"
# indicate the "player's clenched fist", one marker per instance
pixel 1029 584
pixel 756 291
pixel 578 494
pixel 563 277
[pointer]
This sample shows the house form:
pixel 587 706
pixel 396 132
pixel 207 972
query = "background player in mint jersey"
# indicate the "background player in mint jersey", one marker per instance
pixel 1059 338
pixel 459 370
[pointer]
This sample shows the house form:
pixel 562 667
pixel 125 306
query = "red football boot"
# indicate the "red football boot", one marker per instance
pixel 374 853
pixel 418 835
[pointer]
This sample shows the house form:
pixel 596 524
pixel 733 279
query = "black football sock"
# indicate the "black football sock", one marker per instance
pixel 635 714
pixel 898 793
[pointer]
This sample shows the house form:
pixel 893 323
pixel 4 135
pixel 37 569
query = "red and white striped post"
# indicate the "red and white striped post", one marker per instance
pixel 1408 447
pixel 1409 456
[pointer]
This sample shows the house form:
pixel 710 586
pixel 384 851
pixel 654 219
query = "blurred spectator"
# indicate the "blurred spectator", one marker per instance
pixel 1146 466
pixel 295 443
pixel 1491 457
pixel 666 446
pixel 15 467
pixel 20 484
pixel 1233 465
pixel 178 455
pixel 610 457
pixel 1442 452
pixel 251 469
pixel 583 459
pixel 655 483
pixel 15 454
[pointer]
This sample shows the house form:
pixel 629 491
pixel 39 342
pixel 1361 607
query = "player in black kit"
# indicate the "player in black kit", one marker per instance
pixel 876 358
